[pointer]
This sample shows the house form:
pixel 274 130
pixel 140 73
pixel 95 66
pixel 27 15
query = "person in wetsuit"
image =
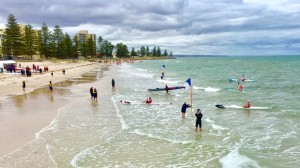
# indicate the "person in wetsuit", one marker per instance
pixel 198 120
pixel 183 109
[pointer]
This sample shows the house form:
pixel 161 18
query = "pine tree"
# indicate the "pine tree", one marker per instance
pixel 30 41
pixel 91 50
pixel 76 46
pixel 158 52
pixel 133 52
pixel 165 53
pixel 44 38
pixel 147 51
pixel 154 51
pixel 12 45
pixel 68 49
pixel 143 51
pixel 58 37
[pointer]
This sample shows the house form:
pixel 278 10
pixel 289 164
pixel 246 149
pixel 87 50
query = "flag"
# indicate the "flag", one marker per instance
pixel 163 66
pixel 188 83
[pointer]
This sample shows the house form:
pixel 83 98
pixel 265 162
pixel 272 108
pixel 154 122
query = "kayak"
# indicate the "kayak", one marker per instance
pixel 238 80
pixel 241 107
pixel 169 88
pixel 141 103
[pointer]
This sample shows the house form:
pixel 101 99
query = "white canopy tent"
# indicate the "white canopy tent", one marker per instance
pixel 7 63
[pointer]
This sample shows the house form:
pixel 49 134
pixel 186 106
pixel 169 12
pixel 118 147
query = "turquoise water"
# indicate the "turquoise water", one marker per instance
pixel 111 134
pixel 231 137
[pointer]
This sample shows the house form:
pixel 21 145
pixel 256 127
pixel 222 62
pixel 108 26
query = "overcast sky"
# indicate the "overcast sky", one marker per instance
pixel 214 27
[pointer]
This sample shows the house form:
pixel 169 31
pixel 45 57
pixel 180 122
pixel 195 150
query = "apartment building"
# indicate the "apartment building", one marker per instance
pixel 84 35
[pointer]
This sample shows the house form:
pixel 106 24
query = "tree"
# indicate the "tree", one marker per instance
pixel 143 51
pixel 76 47
pixel 58 37
pixel 158 52
pixel 12 44
pixel 147 51
pixel 165 53
pixel 153 51
pixel 29 41
pixel 83 50
pixel 100 42
pixel 44 38
pixel 121 50
pixel 91 49
pixel 107 48
pixel 171 54
pixel 133 52
pixel 67 49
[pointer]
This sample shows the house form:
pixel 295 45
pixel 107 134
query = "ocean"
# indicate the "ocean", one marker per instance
pixel 87 134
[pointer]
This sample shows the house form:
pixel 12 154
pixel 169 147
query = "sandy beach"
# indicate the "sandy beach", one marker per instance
pixel 19 127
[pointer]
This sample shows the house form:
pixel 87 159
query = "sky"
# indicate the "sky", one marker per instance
pixel 185 27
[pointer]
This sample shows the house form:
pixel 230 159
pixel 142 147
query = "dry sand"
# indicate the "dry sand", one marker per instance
pixel 19 127
pixel 13 82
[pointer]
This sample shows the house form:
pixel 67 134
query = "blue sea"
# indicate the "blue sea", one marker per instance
pixel 108 133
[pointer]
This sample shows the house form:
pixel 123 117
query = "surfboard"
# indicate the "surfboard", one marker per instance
pixel 142 103
pixel 241 107
pixel 238 80
pixel 169 88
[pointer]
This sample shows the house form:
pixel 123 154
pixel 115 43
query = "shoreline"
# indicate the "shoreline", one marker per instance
pixel 20 119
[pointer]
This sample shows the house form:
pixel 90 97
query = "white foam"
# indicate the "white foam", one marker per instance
pixel 124 126
pixel 206 89
pixel 135 71
pixel 235 160
pixel 136 131
pixel 168 81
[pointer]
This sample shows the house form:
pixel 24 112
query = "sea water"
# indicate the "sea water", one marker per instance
pixel 110 134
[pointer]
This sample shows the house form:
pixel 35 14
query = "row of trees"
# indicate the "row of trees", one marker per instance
pixel 27 42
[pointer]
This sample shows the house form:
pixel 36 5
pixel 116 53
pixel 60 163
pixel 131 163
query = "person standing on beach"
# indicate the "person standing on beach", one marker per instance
pixel 183 109
pixel 50 86
pixel 24 85
pixel 52 74
pixel 113 84
pixel 91 92
pixel 95 94
pixel 198 120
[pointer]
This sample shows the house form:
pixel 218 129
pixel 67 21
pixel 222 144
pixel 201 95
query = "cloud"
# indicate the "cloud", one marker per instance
pixel 225 27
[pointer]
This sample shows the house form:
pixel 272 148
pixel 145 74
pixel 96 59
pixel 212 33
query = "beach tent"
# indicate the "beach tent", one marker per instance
pixel 7 63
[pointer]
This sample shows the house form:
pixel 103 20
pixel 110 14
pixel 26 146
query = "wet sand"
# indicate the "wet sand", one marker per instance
pixel 25 114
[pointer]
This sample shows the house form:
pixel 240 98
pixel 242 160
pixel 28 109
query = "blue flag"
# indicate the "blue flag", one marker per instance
pixel 188 83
